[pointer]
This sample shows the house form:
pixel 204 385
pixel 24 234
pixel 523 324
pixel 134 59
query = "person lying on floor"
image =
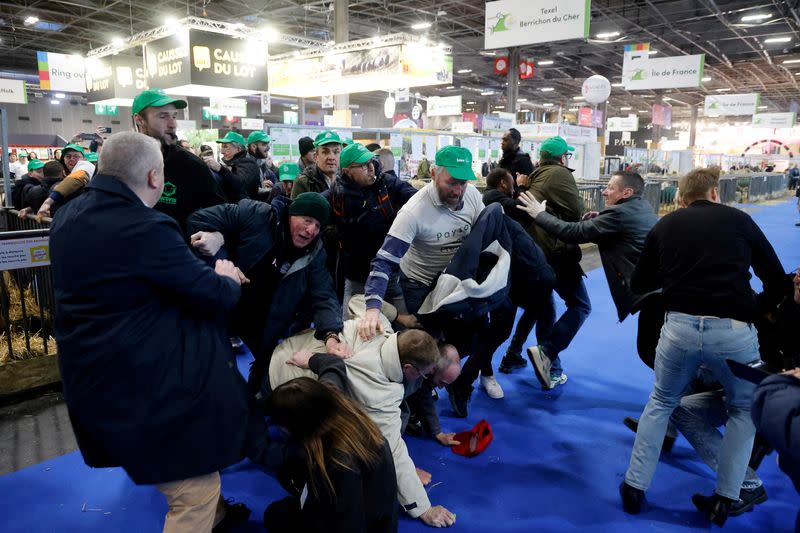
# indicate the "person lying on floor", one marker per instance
pixel 376 376
pixel 346 481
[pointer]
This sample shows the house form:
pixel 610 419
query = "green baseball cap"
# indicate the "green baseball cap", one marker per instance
pixel 232 137
pixel 457 161
pixel 155 98
pixel 347 141
pixel 35 164
pixel 288 171
pixel 555 147
pixel 91 157
pixel 73 147
pixel 327 137
pixel 258 137
pixel 354 154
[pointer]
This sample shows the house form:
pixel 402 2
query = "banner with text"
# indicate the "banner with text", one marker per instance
pixel 114 78
pixel 639 71
pixel 774 120
pixel 443 106
pixel 61 72
pixel 722 105
pixel 13 91
pixel 629 123
pixel 521 22
pixel 381 68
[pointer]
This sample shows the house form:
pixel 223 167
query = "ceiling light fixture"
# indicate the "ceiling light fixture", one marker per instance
pixel 55 102
pixel 651 52
pixel 450 87
pixel 522 99
pixel 763 107
pixel 607 35
pixel 625 108
pixel 777 40
pixel 572 109
pixel 759 16
pixel 547 105
pixel 618 85
pixel 578 98
pixel 421 26
pixel 544 63
pixel 471 103
pixel 790 61
pixel 487 93
pixel 464 71
pixel 706 78
pixel 31 20
pixel 723 90
pixel 547 89
pixel 60 95
pixel 117 41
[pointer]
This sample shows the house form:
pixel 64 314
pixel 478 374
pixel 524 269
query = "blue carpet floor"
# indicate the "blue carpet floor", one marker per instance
pixel 555 464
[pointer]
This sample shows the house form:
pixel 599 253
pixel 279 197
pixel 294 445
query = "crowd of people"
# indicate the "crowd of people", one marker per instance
pixel 359 295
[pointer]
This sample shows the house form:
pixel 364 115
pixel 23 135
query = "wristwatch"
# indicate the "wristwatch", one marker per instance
pixel 332 335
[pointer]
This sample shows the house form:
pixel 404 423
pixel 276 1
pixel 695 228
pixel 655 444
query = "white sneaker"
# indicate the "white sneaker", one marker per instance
pixel 555 381
pixel 492 387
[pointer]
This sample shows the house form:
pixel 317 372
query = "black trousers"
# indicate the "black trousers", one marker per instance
pixel 651 319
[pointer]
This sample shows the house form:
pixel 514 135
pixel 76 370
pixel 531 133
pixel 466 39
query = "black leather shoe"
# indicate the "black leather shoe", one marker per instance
pixel 748 498
pixel 632 498
pixel 235 515
pixel 715 507
pixel 414 427
pixel 512 362
pixel 459 400
pixel 633 424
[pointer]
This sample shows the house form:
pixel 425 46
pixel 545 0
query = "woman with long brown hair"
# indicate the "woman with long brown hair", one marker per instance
pixel 348 482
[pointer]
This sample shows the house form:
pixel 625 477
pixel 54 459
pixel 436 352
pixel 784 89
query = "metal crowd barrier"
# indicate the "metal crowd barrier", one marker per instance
pixel 592 196
pixel 26 294
pixel 759 187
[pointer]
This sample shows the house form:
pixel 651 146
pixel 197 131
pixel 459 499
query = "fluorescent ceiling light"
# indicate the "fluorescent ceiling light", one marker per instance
pixel 522 99
pixel 763 107
pixel 778 40
pixel 543 63
pixel 116 41
pixel 643 111
pixel 760 16
pixel 465 71
pixel 470 103
pixel 625 108
pixel 450 87
pixel 607 35
pixel 706 78
pixel 270 34
pixel 170 21
pixel 577 98
pixel 487 93
pixel 547 89
pixel 723 90
pixel 31 20
pixel 651 52
pixel 790 61
pixel 572 109
pixel 618 85
pixel 55 102
pixel 421 26
pixel 60 95
pixel 547 105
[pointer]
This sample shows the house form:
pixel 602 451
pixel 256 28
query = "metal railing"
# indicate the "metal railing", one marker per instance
pixel 592 196
pixel 26 295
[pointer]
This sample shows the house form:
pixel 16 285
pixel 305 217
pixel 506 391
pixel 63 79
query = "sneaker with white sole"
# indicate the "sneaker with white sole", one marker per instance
pixel 555 381
pixel 492 387
pixel 541 365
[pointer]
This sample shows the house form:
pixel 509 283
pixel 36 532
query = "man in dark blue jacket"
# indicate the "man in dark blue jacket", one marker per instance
pixel 279 250
pixel 149 377
pixel 364 207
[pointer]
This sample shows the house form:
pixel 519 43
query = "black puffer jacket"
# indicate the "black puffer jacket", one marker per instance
pixel 241 177
pixel 516 162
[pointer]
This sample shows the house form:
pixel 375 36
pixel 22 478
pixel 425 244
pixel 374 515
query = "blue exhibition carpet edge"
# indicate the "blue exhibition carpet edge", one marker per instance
pixel 555 463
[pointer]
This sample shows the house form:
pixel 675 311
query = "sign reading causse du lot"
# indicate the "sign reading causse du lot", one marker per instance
pixel 721 105
pixel 521 22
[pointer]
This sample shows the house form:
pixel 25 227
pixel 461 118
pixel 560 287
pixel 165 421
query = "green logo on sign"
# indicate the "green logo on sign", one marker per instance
pixel 504 21
pixel 638 75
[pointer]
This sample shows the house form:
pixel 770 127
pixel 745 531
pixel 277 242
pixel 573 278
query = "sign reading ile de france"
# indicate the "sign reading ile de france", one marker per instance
pixel 521 22
pixel 642 72
pixel 721 105
pixel 13 91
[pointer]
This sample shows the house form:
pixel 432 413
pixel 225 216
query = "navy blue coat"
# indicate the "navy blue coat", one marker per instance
pixel 149 377
pixel 362 217
pixel 255 237
pixel 776 415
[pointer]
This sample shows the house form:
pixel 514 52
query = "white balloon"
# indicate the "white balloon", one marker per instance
pixel 389 107
pixel 596 89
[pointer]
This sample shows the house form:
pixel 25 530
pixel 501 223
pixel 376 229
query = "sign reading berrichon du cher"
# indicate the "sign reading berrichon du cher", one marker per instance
pixel 521 22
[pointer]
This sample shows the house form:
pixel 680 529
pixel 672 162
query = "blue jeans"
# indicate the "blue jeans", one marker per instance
pixel 698 416
pixel 542 313
pixel 686 343
pixel 573 291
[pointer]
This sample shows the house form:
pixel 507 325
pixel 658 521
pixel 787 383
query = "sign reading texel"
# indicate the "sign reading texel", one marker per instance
pixel 722 105
pixel 642 72
pixel 521 22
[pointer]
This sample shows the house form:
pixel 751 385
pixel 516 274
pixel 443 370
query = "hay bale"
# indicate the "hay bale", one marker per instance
pixel 20 349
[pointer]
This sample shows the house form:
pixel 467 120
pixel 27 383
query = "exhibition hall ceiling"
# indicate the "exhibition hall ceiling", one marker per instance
pixel 750 46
